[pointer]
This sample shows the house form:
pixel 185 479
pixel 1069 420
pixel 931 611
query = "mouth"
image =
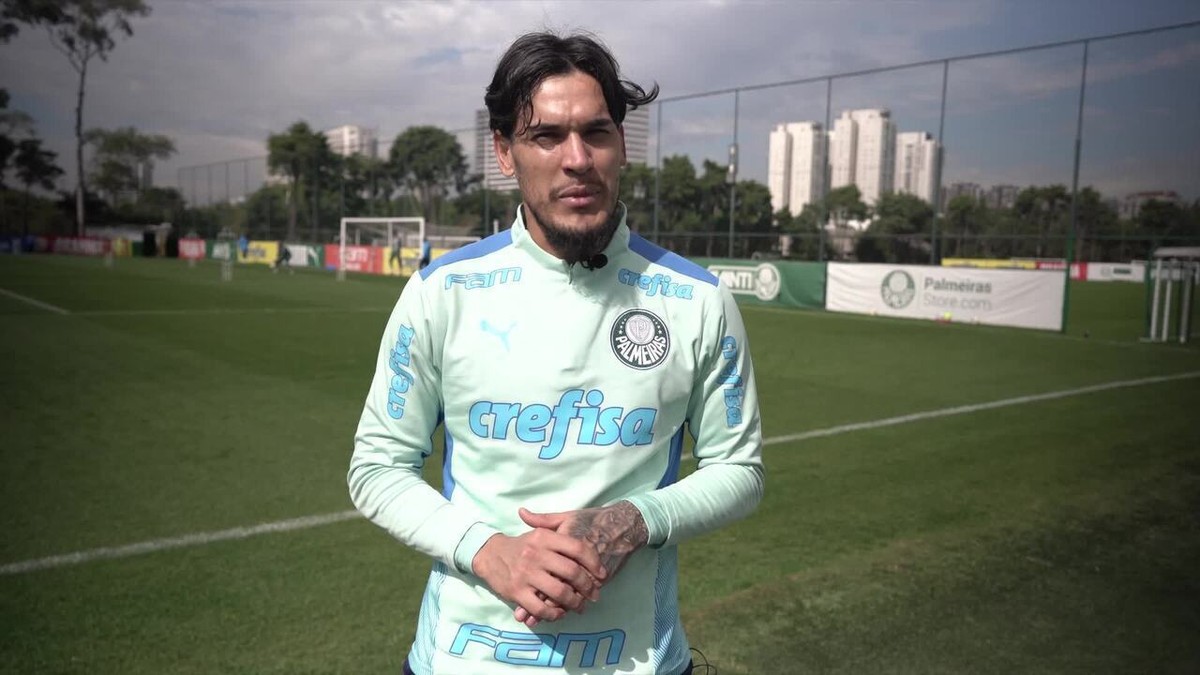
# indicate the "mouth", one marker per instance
pixel 580 196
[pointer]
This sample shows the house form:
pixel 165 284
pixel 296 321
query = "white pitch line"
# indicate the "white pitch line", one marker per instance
pixel 35 303
pixel 976 407
pixel 306 522
pixel 155 545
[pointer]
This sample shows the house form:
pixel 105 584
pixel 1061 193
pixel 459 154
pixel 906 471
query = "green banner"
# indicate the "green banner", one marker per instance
pixel 777 282
pixel 219 250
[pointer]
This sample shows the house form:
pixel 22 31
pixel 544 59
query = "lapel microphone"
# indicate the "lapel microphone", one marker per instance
pixel 595 262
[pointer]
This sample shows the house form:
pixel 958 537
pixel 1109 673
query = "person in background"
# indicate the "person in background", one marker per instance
pixel 283 259
pixel 426 254
pixel 394 258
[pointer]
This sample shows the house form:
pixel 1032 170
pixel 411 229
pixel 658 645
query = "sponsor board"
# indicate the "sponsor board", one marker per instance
pixel 762 281
pixel 1130 272
pixel 367 259
pixel 990 263
pixel 192 249
pixel 1000 297
pixel 92 246
pixel 260 253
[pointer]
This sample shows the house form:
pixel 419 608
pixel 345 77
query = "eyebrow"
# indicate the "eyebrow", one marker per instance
pixel 597 123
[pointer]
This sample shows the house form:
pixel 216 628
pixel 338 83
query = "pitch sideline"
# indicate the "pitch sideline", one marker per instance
pixel 306 522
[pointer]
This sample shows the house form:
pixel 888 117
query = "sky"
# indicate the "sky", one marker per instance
pixel 219 76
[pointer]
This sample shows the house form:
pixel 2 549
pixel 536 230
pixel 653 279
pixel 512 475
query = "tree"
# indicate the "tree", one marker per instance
pixel 365 182
pixel 13 13
pixel 637 191
pixel 897 233
pixel 12 122
pixel 1093 218
pixel 429 162
pixel 807 225
pixel 35 166
pixel 678 194
pixel 81 30
pixel 845 204
pixel 1042 212
pixel 302 156
pixel 120 156
pixel 966 216
pixel 1162 219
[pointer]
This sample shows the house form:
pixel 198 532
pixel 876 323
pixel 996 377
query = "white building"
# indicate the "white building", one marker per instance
pixel 485 156
pixel 918 165
pixel 842 152
pixel 796 165
pixel 1132 205
pixel 863 152
pixel 349 140
pixel 637 136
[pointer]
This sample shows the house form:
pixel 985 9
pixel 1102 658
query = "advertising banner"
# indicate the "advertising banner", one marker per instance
pixel 220 250
pixel 93 246
pixel 304 255
pixel 260 253
pixel 990 263
pixel 999 297
pixel 408 261
pixel 778 282
pixel 1131 272
pixel 367 259
pixel 192 249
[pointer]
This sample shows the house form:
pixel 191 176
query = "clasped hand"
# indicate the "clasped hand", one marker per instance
pixel 561 563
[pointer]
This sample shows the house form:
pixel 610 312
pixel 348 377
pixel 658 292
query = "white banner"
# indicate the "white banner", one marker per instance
pixel 1022 298
pixel 1132 272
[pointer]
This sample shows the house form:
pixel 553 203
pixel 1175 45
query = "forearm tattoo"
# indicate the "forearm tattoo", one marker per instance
pixel 616 531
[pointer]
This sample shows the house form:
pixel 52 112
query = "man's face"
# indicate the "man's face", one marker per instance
pixel 568 163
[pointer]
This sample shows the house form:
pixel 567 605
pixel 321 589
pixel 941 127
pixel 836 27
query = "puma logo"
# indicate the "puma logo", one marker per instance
pixel 501 335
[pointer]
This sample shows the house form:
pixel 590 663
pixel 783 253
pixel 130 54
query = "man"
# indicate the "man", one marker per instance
pixel 565 357
pixel 283 259
pixel 394 258
pixel 426 254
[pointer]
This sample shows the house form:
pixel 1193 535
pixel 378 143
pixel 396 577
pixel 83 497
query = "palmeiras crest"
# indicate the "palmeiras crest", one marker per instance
pixel 640 339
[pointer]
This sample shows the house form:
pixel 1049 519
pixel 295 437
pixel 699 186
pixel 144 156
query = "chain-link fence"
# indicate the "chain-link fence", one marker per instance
pixel 1081 149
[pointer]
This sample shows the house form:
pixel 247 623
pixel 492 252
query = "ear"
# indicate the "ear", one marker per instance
pixel 504 158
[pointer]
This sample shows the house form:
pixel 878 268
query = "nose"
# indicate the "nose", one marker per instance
pixel 577 156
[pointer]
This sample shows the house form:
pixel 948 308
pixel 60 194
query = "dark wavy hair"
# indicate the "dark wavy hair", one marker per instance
pixel 533 57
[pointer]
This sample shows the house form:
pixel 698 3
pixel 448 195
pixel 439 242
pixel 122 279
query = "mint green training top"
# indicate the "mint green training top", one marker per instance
pixel 559 388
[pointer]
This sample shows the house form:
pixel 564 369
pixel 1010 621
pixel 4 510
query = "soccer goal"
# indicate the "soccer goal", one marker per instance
pixel 401 237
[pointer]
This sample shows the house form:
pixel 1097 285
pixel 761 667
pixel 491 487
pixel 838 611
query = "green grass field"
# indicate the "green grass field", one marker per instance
pixel 152 400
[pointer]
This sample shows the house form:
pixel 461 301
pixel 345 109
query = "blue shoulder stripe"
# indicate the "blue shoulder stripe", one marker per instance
pixel 672 261
pixel 470 251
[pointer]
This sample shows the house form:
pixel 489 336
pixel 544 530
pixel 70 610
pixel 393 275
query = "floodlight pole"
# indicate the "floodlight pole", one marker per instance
pixel 1075 189
pixel 940 159
pixel 732 175
pixel 658 168
pixel 828 172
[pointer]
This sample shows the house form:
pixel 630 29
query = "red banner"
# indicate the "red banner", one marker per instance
pixel 358 258
pixel 73 245
pixel 1078 270
pixel 192 249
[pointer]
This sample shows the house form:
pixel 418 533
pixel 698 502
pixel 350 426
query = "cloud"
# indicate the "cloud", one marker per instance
pixel 219 77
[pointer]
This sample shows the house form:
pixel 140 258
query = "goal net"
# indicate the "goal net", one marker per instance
pixel 400 238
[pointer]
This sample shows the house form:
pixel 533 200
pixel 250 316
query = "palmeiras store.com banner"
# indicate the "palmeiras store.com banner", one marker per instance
pixel 1021 298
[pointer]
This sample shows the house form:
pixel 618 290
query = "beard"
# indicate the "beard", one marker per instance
pixel 577 245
